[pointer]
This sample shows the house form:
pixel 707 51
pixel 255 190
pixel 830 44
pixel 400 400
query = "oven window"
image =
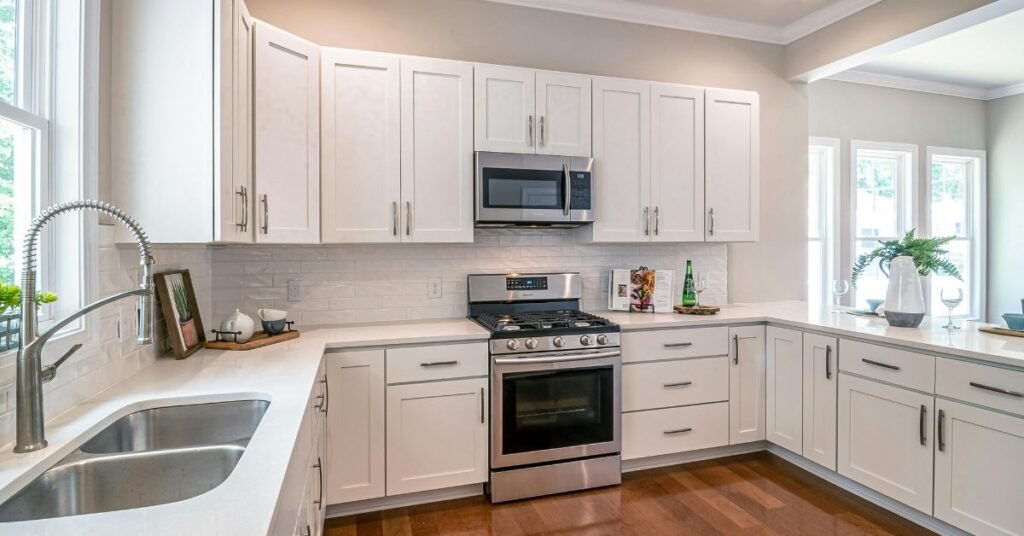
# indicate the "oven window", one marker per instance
pixel 523 188
pixel 550 410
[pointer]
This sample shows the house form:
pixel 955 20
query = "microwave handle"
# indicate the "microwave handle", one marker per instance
pixel 568 188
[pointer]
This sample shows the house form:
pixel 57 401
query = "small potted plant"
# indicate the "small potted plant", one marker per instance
pixel 10 300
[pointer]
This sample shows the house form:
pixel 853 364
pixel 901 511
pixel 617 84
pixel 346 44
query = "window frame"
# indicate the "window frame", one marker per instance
pixel 976 221
pixel 829 219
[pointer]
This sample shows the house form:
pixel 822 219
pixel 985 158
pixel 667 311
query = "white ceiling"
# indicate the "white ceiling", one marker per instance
pixel 770 21
pixel 984 61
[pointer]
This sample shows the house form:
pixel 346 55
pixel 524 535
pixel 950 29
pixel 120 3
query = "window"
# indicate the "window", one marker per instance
pixel 882 190
pixel 955 206
pixel 822 258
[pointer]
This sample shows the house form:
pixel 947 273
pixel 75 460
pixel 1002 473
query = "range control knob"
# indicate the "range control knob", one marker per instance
pixel 585 340
pixel 558 342
pixel 602 339
pixel 531 343
pixel 512 344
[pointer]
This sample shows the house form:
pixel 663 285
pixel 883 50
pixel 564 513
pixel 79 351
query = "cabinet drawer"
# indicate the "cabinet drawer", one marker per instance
pixel 674 383
pixel 900 367
pixel 425 363
pixel 667 431
pixel 674 343
pixel 981 384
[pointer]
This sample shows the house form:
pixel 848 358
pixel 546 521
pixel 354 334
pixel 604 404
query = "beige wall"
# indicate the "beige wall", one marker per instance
pixel 474 30
pixel 1005 205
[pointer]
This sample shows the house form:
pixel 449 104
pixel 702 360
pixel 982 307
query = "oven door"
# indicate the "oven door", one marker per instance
pixel 555 406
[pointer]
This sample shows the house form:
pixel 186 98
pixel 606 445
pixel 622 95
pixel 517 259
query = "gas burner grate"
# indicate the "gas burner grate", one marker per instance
pixel 541 320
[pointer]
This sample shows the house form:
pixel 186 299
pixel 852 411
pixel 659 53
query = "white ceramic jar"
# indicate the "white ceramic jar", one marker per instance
pixel 241 323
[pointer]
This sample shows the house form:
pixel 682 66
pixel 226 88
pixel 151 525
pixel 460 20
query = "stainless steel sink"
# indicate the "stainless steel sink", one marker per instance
pixel 180 426
pixel 150 457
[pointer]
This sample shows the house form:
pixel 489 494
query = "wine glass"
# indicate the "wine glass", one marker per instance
pixel 840 287
pixel 700 284
pixel 951 302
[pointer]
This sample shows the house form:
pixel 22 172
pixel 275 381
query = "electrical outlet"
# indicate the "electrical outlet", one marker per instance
pixel 294 290
pixel 434 289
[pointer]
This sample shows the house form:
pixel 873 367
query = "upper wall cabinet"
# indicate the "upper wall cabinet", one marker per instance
pixel 180 145
pixel 732 160
pixel 532 112
pixel 286 142
pixel 397 148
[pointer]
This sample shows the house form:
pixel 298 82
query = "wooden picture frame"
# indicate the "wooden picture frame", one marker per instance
pixel 185 332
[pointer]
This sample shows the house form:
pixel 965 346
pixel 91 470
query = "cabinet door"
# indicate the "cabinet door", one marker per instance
pixel 437 435
pixel 622 115
pixel 885 440
pixel 784 411
pixel 286 146
pixel 821 381
pixel 732 156
pixel 437 150
pixel 355 426
pixel 360 135
pixel 504 109
pixel 563 114
pixel 979 471
pixel 677 163
pixel 234 191
pixel 746 384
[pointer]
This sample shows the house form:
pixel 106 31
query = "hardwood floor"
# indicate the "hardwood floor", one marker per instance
pixel 749 494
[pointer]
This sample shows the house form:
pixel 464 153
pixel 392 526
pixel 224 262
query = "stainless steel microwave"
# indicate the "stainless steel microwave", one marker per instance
pixel 522 190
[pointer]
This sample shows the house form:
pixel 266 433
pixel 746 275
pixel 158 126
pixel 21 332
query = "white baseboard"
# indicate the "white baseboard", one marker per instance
pixel 692 456
pixel 400 501
pixel 868 494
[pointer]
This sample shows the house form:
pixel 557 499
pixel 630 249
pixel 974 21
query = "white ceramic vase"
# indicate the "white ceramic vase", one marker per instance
pixel 904 301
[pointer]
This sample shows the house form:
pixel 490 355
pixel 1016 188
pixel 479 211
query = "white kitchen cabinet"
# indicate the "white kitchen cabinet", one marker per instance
pixel 361 135
pixel 979 471
pixel 532 112
pixel 677 163
pixel 286 146
pixel 784 388
pixel 436 435
pixel 885 440
pixel 732 160
pixel 563 114
pixel 622 180
pixel 746 384
pixel 437 150
pixel 180 144
pixel 820 396
pixel 355 425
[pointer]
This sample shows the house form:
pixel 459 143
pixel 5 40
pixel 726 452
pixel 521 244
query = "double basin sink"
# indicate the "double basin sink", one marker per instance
pixel 150 457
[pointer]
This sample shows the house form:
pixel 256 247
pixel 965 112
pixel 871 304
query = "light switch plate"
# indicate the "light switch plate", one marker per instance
pixel 434 289
pixel 294 290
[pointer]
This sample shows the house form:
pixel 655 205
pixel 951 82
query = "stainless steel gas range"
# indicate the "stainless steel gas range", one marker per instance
pixel 555 385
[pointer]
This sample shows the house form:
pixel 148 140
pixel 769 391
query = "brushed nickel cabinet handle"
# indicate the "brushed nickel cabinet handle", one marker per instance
pixel 678 384
pixel 482 410
pixel 530 124
pixel 568 189
pixel 542 131
pixel 828 362
pixel 657 222
pixel 999 390
pixel 940 433
pixel 320 469
pixel 394 218
pixel 679 431
pixel 327 394
pixel 711 227
pixel 879 364
pixel 647 221
pixel 266 214
pixel 439 363
pixel 678 344
pixel 408 218
pixel 736 345
pixel 923 425
pixel 244 194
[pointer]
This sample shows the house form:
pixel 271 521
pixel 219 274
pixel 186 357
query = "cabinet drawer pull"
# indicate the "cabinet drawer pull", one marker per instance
pixel 647 221
pixel 711 226
pixel 678 344
pixel 482 403
pixel 320 470
pixel 327 394
pixel 880 364
pixel 999 390
pixel 924 425
pixel 529 123
pixel 678 384
pixel 245 208
pixel 542 131
pixel 736 345
pixel 679 431
pixel 394 218
pixel 439 363
pixel 266 214
pixel 657 222
pixel 940 433
pixel 828 362
pixel 408 218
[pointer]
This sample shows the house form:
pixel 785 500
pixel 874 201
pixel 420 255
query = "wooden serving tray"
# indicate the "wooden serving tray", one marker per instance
pixel 700 310
pixel 258 340
pixel 1001 331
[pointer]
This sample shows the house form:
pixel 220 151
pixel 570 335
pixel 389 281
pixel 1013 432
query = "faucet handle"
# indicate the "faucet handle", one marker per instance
pixel 50 371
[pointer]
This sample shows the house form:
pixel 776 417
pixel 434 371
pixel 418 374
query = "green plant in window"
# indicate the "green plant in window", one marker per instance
pixel 928 253
pixel 10 297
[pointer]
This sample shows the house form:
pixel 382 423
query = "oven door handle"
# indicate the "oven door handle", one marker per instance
pixel 557 358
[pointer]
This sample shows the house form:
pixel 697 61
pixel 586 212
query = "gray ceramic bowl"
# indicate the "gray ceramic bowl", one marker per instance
pixel 273 327
pixel 1014 321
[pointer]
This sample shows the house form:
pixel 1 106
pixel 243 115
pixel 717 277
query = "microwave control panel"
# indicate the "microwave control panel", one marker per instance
pixel 581 188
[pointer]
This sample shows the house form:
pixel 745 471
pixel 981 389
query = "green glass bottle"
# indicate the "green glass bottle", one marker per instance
pixel 689 295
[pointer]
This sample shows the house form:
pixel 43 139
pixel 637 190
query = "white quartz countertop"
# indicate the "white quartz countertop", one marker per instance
pixel 244 504
pixel 931 337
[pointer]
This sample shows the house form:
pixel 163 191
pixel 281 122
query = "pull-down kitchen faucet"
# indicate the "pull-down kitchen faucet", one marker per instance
pixel 31 374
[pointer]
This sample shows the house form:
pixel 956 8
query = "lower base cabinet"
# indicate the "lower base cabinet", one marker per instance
pixel 820 386
pixel 671 430
pixel 885 440
pixel 437 435
pixel 746 384
pixel 979 469
pixel 355 426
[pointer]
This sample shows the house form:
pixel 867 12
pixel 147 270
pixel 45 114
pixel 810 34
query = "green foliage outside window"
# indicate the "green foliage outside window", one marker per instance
pixel 8 81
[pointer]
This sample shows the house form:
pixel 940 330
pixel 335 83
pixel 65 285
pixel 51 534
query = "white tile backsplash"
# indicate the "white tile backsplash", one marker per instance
pixel 367 283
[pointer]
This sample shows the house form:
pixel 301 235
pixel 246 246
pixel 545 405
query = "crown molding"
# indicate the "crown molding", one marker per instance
pixel 680 19
pixel 927 86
